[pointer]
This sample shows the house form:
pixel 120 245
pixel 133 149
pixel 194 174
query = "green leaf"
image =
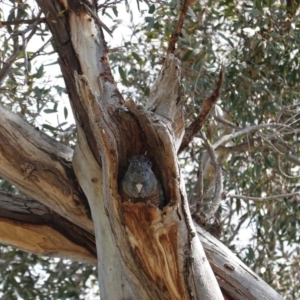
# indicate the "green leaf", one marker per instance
pixel 65 112
pixel 59 89
pixel 49 111
pixel 226 39
pixel 49 127
pixel 115 10
pixel 40 72
pixel 60 13
pixel 122 74
pixel 150 21
pixel 137 57
pixel 250 254
pixel 188 55
pixel 151 9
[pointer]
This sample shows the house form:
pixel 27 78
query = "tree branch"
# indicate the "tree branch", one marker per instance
pixel 20 22
pixel 246 130
pixel 268 198
pixel 166 97
pixel 41 168
pixel 234 277
pixel 50 234
pixel 208 105
pixel 177 30
pixel 249 146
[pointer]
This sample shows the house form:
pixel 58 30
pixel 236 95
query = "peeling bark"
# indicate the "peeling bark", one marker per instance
pixel 41 239
pixel 143 252
pixel 20 215
pixel 234 277
pixel 191 276
pixel 50 234
pixel 41 168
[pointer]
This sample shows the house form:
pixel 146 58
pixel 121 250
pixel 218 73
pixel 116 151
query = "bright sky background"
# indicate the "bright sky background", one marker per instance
pixel 119 35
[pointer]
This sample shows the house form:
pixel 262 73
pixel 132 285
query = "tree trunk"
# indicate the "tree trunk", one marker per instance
pixel 156 250
pixel 143 252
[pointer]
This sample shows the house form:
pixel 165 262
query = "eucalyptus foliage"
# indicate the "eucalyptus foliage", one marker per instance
pixel 257 43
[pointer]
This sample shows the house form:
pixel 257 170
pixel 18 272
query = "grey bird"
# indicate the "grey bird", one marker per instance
pixel 140 184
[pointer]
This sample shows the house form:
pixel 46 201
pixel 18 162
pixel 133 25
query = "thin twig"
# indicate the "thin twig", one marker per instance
pixel 200 187
pixel 24 46
pixel 96 18
pixel 4 72
pixel 208 105
pixel 262 199
pixel 236 230
pixel 108 4
pixel 283 173
pixel 249 129
pixel 37 53
pixel 20 22
pixel 226 122
pixel 265 139
pixel 31 27
pixel 177 30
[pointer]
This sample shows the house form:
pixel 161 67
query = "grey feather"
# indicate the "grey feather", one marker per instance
pixel 140 184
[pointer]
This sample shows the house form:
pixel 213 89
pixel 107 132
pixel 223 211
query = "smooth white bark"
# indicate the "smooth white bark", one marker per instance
pixel 112 282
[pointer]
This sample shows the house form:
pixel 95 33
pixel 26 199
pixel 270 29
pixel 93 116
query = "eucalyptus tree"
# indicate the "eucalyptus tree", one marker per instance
pixel 237 148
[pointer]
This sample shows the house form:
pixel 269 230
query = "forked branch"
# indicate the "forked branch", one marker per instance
pixel 46 232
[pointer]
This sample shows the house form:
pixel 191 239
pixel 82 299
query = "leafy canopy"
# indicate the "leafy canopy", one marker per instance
pixel 257 43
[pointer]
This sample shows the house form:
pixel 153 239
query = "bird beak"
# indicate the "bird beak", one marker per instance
pixel 139 187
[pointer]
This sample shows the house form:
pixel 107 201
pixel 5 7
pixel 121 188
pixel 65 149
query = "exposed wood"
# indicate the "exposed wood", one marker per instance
pixel 41 168
pixel 20 216
pixel 41 239
pixel 166 98
pixel 68 60
pixel 23 212
pixel 190 279
pixel 93 62
pixel 158 140
pixel 112 282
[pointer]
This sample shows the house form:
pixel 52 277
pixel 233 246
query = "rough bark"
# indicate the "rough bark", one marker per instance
pixel 52 235
pixel 143 252
pixel 41 168
pixel 46 232
pixel 149 234
pixel 112 282
pixel 237 281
